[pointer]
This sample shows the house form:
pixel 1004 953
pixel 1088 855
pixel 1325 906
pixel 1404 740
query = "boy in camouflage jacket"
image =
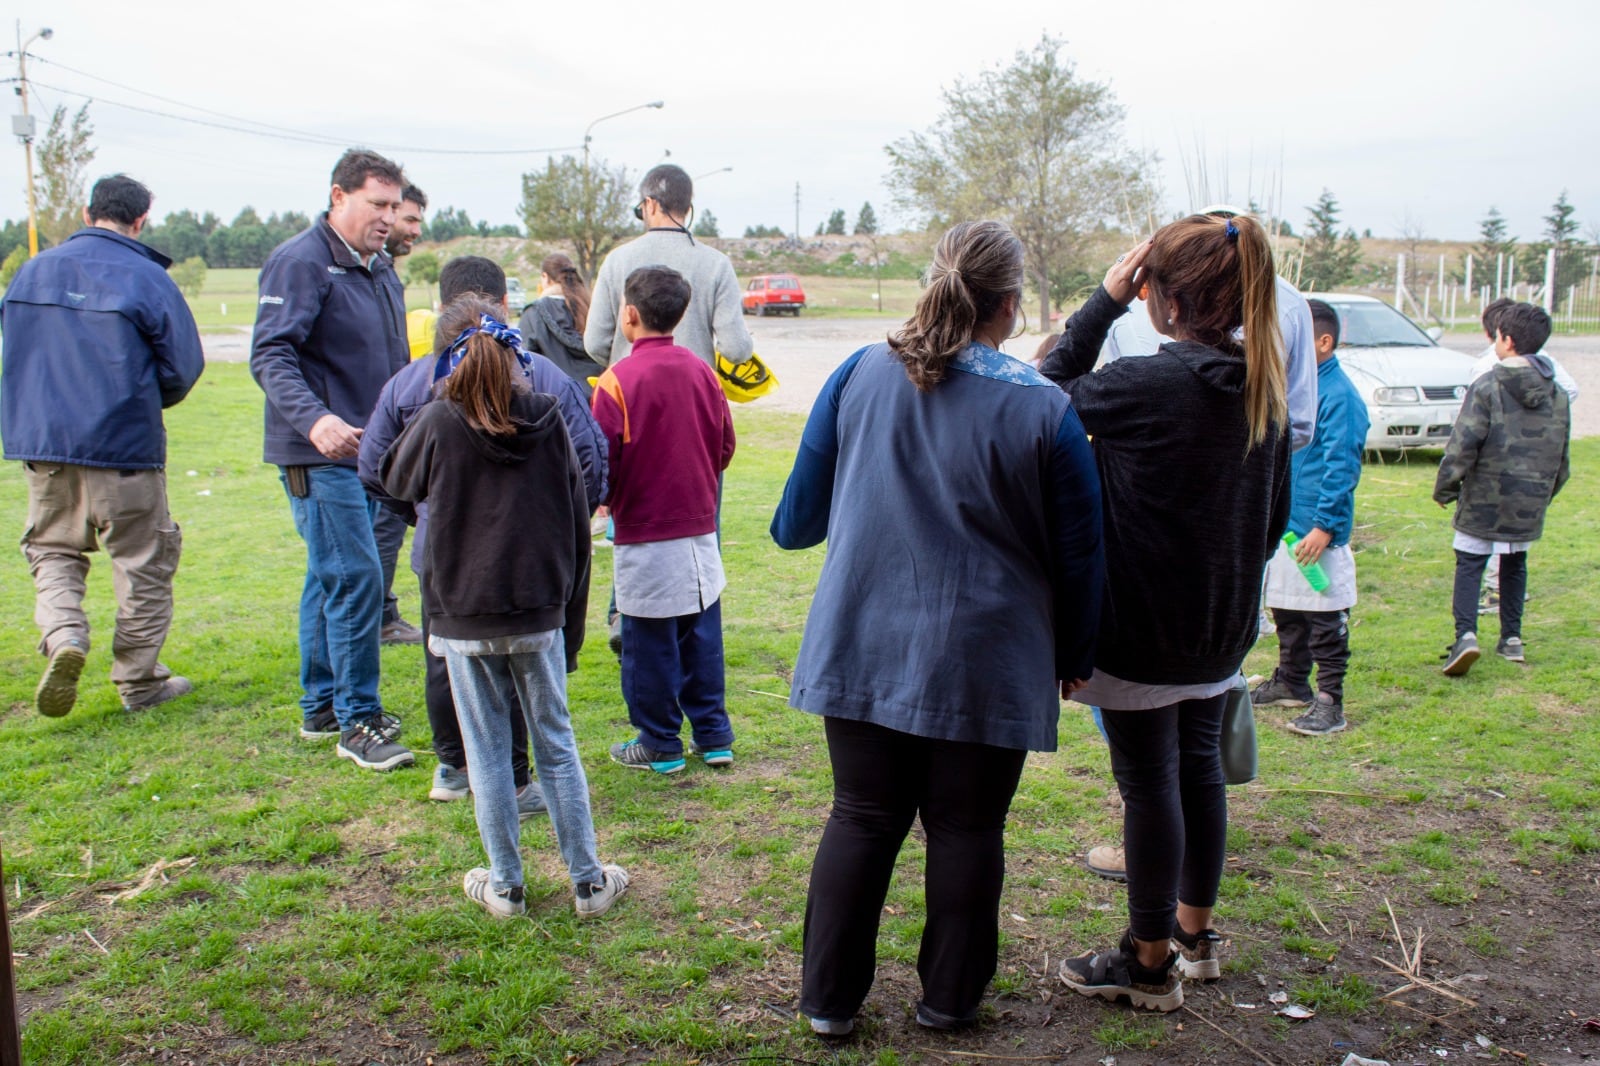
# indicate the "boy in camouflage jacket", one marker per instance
pixel 1506 460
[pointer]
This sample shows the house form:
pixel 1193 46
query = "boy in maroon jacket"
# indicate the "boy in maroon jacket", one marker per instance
pixel 671 435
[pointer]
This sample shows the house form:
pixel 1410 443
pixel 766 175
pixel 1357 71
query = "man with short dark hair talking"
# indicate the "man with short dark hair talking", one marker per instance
pixel 98 342
pixel 388 527
pixel 330 330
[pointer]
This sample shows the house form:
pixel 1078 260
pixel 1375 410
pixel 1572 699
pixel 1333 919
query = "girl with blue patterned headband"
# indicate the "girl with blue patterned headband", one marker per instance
pixel 506 588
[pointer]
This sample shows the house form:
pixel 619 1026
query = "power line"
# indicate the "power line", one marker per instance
pixel 277 132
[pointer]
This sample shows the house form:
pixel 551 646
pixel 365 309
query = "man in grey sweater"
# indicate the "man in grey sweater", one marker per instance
pixel 715 319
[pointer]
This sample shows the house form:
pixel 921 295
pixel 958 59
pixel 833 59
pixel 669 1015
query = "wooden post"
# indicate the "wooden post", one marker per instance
pixel 10 1026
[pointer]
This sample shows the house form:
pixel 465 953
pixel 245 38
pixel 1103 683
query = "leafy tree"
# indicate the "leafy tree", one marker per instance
pixel 64 158
pixel 763 231
pixel 706 226
pixel 446 225
pixel 1328 259
pixel 836 222
pixel 1031 144
pixel 190 276
pixel 1560 233
pixel 1493 242
pixel 179 236
pixel 866 220
pixel 592 208
pixel 13 263
pixel 12 235
pixel 422 268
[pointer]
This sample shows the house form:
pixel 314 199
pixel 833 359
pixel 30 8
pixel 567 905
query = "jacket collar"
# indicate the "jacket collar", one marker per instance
pixel 340 251
pixel 647 344
pixel 100 233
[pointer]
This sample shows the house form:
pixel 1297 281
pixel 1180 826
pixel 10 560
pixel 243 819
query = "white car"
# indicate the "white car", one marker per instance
pixel 1413 387
pixel 516 297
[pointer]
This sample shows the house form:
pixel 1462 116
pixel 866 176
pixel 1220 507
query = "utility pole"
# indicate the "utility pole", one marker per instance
pixel 23 126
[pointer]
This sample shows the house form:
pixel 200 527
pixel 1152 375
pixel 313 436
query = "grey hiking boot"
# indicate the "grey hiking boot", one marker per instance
pixel 530 801
pixel 399 632
pixel 365 744
pixel 58 688
pixel 170 689
pixel 1325 716
pixel 1462 654
pixel 1275 692
pixel 1510 649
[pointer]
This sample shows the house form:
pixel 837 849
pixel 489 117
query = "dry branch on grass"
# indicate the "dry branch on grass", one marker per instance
pixel 1412 970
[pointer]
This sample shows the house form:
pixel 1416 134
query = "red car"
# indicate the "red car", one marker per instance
pixel 770 294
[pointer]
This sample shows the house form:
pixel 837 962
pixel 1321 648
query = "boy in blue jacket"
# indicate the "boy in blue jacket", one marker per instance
pixel 1313 626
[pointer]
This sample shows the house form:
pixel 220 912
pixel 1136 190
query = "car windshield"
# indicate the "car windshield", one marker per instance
pixel 1370 325
pixel 785 283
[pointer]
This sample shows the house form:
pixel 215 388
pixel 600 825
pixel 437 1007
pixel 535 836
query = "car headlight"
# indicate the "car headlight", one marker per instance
pixel 1404 394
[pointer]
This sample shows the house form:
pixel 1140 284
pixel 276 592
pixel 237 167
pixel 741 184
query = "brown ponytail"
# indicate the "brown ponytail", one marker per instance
pixel 488 377
pixel 1217 273
pixel 574 290
pixel 975 267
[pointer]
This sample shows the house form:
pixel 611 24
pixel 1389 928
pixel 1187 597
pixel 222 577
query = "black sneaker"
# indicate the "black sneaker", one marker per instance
pixel 365 745
pixel 614 635
pixel 324 725
pixel 1325 716
pixel 1511 650
pixel 1462 654
pixel 1115 975
pixel 633 753
pixel 1274 692
pixel 1197 954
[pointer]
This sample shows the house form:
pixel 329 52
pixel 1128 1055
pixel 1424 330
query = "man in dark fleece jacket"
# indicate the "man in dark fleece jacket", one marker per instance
pixel 330 330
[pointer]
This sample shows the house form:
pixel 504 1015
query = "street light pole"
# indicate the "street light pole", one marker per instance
pixel 23 127
pixel 588 206
pixel 707 174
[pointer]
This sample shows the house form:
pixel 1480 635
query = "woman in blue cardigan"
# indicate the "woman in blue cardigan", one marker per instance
pixel 961 590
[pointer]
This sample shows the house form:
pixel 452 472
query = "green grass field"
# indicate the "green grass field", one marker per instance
pixel 321 916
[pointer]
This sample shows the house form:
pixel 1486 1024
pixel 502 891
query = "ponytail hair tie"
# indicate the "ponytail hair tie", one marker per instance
pixel 1231 230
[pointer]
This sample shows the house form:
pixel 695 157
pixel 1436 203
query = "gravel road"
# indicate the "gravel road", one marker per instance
pixel 804 351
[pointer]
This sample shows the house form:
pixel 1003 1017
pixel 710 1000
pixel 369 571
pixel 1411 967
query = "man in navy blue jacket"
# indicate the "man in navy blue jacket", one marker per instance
pixel 330 330
pixel 402 398
pixel 98 342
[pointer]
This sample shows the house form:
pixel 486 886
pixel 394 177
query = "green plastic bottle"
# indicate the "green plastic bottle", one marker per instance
pixel 1314 574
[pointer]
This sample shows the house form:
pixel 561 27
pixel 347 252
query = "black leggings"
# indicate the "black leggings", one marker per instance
pixel 1168 764
pixel 882 779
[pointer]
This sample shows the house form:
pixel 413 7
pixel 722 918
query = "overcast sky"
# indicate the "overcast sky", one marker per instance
pixel 1430 112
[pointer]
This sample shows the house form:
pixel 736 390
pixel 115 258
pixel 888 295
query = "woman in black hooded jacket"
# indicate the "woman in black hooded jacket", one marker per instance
pixel 553 324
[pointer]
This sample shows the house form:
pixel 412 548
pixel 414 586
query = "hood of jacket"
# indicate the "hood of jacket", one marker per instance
pixel 536 422
pixel 1528 380
pixel 554 313
pixel 1220 370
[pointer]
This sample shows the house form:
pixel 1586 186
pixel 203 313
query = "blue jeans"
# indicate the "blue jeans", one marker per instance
pixel 341 604
pixel 672 668
pixel 389 530
pixel 487 688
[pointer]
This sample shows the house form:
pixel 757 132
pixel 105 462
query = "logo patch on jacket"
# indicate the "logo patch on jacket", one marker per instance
pixel 272 299
pixel 335 269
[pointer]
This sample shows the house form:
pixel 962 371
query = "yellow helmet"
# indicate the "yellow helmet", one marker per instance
pixel 746 381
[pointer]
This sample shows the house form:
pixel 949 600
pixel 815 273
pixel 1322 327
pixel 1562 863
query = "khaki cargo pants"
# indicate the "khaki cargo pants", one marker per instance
pixel 70 508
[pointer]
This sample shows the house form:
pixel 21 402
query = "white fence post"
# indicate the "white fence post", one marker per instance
pixel 1399 281
pixel 1499 274
pixel 1549 281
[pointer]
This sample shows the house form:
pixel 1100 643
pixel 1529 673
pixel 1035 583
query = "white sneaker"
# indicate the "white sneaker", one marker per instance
pixel 602 896
pixel 507 904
